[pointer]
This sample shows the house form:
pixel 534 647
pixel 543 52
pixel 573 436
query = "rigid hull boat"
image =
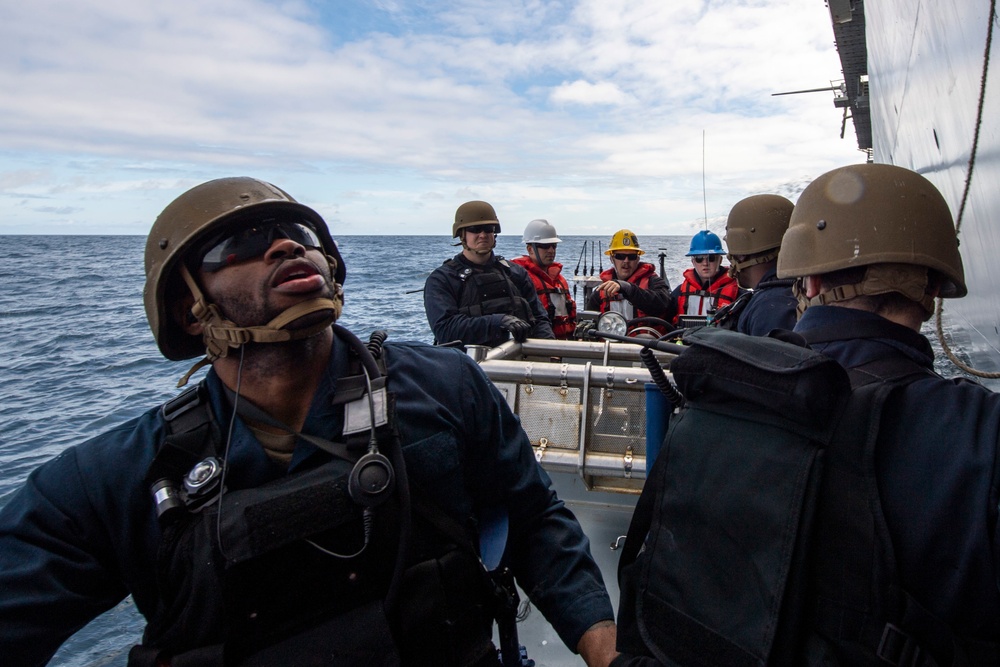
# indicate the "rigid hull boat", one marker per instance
pixel 918 89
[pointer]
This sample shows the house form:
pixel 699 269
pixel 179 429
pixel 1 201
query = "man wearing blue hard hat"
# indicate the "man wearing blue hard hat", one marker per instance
pixel 707 285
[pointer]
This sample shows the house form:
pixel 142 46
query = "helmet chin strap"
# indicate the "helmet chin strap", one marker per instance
pixel 735 267
pixel 538 257
pixel 905 279
pixel 222 335
pixel 465 246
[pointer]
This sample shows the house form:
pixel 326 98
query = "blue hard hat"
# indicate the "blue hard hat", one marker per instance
pixel 705 243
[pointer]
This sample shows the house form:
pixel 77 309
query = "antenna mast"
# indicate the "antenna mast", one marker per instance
pixel 704 196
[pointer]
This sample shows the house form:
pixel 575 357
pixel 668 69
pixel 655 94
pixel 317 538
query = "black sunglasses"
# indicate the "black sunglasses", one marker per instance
pixel 545 246
pixel 478 229
pixel 701 259
pixel 626 256
pixel 249 242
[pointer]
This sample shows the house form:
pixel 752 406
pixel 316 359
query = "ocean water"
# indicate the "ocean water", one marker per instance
pixel 77 357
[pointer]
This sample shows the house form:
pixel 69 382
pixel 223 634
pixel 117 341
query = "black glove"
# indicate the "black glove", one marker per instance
pixel 580 332
pixel 517 327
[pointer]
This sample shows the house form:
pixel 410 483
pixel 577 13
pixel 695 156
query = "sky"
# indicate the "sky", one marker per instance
pixel 386 115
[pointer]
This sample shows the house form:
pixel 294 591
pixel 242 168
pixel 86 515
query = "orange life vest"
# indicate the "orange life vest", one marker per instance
pixel 550 281
pixel 695 299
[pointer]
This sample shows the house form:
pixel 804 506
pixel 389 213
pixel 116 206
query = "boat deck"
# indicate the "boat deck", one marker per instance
pixel 604 516
pixel 584 407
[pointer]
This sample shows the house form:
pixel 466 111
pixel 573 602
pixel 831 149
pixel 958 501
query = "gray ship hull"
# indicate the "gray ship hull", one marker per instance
pixel 925 62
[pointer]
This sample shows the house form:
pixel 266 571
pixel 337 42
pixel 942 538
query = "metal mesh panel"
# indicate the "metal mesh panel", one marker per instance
pixel 617 421
pixel 552 413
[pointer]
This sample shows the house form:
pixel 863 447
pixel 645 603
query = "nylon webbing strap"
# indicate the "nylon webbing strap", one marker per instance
pixel 858 577
pixel 642 517
pixel 251 412
pixel 766 256
pixel 847 546
pixel 190 436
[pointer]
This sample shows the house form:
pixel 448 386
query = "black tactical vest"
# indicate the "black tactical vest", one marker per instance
pixel 759 539
pixel 296 572
pixel 489 290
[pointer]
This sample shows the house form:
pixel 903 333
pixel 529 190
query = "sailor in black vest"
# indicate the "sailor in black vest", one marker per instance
pixel 480 298
pixel 754 229
pixel 313 501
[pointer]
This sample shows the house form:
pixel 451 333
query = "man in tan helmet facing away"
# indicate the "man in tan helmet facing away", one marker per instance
pixel 313 500
pixel 540 240
pixel 478 297
pixel 753 236
pixel 870 247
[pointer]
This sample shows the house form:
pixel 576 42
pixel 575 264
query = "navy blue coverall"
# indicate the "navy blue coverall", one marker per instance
pixel 771 307
pixel 938 473
pixel 82 534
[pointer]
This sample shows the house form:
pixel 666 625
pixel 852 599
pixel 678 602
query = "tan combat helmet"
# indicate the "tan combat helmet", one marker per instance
pixel 474 213
pixel 755 225
pixel 868 214
pixel 188 223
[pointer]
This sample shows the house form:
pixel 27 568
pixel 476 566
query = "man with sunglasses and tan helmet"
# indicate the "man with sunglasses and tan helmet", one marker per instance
pixel 478 297
pixel 707 285
pixel 313 501
pixel 630 287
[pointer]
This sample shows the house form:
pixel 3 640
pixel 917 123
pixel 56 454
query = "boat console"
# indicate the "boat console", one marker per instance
pixel 589 408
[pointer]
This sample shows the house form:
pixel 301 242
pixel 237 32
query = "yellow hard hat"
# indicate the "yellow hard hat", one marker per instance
pixel 623 239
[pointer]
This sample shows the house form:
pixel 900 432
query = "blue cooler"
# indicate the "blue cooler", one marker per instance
pixel 658 410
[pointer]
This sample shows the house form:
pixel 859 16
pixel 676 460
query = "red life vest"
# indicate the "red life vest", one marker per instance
pixel 550 281
pixel 640 278
pixel 694 299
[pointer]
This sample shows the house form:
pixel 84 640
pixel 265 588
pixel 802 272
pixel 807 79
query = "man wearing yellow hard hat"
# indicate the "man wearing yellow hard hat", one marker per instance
pixel 630 287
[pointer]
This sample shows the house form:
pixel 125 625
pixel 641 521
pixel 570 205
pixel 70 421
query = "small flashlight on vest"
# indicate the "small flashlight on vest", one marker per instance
pixel 167 500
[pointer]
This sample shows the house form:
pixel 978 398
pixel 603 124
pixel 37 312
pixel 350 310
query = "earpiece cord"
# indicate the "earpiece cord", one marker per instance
pixel 367 521
pixel 372 441
pixel 367 515
pixel 225 455
pixel 339 450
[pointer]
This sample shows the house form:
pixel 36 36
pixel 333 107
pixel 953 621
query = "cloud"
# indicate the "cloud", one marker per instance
pixel 583 92
pixel 603 101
